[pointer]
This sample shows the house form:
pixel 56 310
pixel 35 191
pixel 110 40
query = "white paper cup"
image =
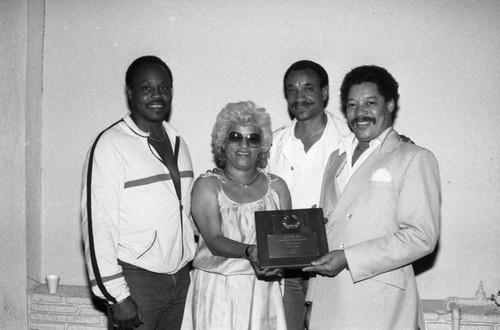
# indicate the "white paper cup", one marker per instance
pixel 52 283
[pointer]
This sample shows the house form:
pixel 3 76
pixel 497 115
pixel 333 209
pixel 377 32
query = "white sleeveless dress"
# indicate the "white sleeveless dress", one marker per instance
pixel 225 292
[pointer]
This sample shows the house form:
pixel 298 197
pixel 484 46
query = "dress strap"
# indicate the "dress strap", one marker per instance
pixel 268 177
pixel 215 172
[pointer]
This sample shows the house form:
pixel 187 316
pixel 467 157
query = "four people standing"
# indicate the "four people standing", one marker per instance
pixel 136 208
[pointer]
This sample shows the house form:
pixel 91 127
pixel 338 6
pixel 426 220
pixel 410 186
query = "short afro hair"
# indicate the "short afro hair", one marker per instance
pixel 149 59
pixel 386 84
pixel 305 65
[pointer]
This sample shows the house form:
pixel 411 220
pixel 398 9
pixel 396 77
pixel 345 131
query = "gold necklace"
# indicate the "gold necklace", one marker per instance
pixel 163 138
pixel 244 185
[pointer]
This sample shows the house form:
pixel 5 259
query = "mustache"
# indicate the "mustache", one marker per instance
pixel 301 104
pixel 363 119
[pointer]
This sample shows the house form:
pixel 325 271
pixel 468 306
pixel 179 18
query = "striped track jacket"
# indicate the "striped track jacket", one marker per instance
pixel 130 209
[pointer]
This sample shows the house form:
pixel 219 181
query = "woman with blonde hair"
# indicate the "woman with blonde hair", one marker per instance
pixel 228 289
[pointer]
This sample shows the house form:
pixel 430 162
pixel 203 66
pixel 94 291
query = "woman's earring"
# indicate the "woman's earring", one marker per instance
pixel 259 159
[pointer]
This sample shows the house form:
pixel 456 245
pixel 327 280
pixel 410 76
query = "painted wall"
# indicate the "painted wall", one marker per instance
pixel 13 282
pixel 33 144
pixel 443 53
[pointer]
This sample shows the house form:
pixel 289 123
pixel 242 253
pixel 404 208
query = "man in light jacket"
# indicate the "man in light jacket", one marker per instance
pixel 381 199
pixel 136 224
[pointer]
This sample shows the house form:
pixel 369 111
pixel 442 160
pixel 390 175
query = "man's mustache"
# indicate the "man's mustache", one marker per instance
pixel 363 119
pixel 296 104
pixel 157 102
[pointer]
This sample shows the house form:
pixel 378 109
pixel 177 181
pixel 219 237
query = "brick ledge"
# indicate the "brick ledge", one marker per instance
pixel 74 308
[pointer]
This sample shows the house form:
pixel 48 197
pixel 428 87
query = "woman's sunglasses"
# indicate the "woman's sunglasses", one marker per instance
pixel 235 138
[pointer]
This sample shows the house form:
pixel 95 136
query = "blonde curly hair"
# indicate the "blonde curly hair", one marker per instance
pixel 241 113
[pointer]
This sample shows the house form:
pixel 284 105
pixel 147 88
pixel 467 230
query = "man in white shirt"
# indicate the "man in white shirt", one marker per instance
pixel 299 155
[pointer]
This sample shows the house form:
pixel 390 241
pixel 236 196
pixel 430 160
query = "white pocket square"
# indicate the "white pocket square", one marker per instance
pixel 382 175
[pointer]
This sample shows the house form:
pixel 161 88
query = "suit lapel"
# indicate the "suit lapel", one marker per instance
pixel 362 177
pixel 332 186
pixel 331 191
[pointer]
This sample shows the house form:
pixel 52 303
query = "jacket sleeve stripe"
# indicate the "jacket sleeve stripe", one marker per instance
pixel 98 279
pixel 107 279
pixel 156 178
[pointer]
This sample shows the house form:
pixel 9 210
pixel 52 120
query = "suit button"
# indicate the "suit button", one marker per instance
pixel 325 220
pixel 349 215
pixel 342 246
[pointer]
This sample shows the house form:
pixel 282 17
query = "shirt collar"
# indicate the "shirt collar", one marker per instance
pixel 291 131
pixel 350 141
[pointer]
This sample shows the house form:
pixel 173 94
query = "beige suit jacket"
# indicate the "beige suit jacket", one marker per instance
pixel 386 218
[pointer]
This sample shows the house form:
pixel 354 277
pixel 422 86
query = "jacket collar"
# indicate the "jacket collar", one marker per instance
pixel 390 141
pixel 132 125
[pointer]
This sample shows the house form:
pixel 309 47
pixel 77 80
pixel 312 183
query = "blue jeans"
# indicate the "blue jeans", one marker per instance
pixel 294 299
pixel 160 297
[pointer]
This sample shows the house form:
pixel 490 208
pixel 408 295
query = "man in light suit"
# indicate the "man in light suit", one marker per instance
pixel 381 200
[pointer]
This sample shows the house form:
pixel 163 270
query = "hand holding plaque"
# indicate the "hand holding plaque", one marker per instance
pixel 290 238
